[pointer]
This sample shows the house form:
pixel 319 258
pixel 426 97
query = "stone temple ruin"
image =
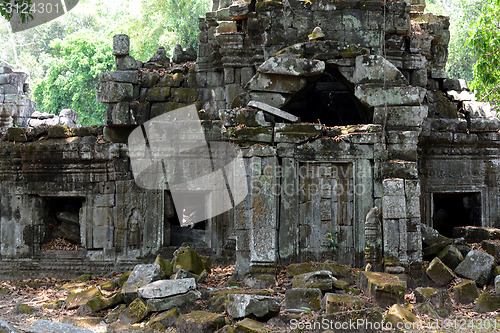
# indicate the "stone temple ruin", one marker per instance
pixel 332 123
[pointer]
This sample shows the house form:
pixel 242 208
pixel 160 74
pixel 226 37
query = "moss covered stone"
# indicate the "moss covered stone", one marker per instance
pixel 59 131
pixel 81 298
pixel 451 256
pixel 488 303
pixel 115 313
pixel 465 292
pixel 165 265
pixel 184 95
pixel 187 259
pixel 54 305
pixel 134 313
pixel 250 326
pixel 322 280
pixel 84 277
pixel 439 272
pixel 24 308
pixel 385 289
pixel 424 294
pixel 171 80
pixel 167 318
pixel 341 284
pixel 158 94
pixel 17 134
pixel 268 5
pixel 200 322
pixel 297 298
pixel 100 302
pixel 333 303
pixel 339 271
pixel 217 300
pixel 399 314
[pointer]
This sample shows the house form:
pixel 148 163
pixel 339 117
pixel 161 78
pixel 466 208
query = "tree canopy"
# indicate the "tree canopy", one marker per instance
pixel 485 42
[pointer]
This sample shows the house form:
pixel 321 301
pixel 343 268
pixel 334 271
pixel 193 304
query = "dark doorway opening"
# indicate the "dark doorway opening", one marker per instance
pixel 454 210
pixel 330 101
pixel 187 232
pixel 62 223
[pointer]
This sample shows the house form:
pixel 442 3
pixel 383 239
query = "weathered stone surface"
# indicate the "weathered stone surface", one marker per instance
pixel 438 298
pixel 297 133
pixel 187 259
pixel 121 45
pixel 247 117
pixel 183 302
pixel 454 84
pixel 182 274
pixel 292 67
pixel 477 266
pixel 134 313
pixel 249 326
pixel 450 256
pixel 200 322
pixel 7 328
pixel 385 289
pixel 141 276
pixel 78 299
pixel 167 318
pixel 376 95
pixel 244 305
pixel 333 303
pixel 100 302
pixel 297 298
pixel 274 99
pixel 126 63
pixel 376 69
pixel 276 83
pixel 120 76
pixel 166 265
pixel 322 280
pixel 439 272
pixel 166 288
pixel 113 92
pixel 488 303
pixel 497 285
pixel 461 96
pixel 476 234
pixel 273 111
pixel 160 56
pixel 465 292
pixel 400 116
pixel 47 326
pixel 491 246
pixel 399 314
pixel 478 109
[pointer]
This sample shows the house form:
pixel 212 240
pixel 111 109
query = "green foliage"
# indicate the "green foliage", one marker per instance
pixel 332 241
pixel 74 64
pixel 8 8
pixel 462 14
pixel 485 42
pixel 167 23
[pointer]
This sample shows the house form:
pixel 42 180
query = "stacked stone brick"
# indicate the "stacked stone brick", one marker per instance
pixel 15 104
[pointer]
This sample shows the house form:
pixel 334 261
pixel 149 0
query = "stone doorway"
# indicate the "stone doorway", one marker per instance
pixel 454 209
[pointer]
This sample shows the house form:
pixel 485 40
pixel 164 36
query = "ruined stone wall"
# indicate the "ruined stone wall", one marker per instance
pixel 51 175
pixel 15 104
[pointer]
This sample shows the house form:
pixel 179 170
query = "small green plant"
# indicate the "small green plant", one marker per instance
pixel 332 241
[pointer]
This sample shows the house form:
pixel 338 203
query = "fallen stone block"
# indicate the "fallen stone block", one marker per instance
pixel 244 305
pixel 297 298
pixel 5 327
pixel 487 303
pixel 439 272
pixel 187 259
pixel 477 266
pixel 385 289
pixel 141 276
pixel 134 313
pixel 249 326
pixel 438 298
pixel 166 288
pixel 491 246
pixel 200 322
pixel 376 69
pixel 47 326
pixel 397 314
pixel 465 292
pixel 333 303
pixel 450 256
pixel 322 280
pixel 183 302
pixel 375 95
pixel 78 299
pixel 273 111
pixel 167 318
pixel 476 234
